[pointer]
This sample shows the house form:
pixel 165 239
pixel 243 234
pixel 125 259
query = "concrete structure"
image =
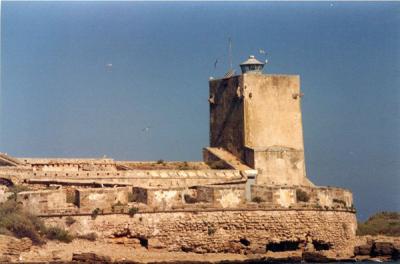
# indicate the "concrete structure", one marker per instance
pixel 250 194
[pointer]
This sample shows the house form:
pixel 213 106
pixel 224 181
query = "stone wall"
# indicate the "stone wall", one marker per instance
pixel 45 202
pixel 152 199
pixel 278 165
pixel 226 115
pixel 236 231
pixel 290 196
pixel 71 165
pixel 144 178
pixel 102 198
pixel 161 198
pixel 223 196
pixel 257 118
pixel 212 196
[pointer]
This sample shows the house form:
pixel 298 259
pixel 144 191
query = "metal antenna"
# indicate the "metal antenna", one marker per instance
pixel 230 54
pixel 231 71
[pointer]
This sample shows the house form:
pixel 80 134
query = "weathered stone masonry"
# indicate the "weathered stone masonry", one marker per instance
pixel 223 231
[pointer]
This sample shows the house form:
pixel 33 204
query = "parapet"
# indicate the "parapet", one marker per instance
pixel 213 196
pixel 196 198
pixel 301 196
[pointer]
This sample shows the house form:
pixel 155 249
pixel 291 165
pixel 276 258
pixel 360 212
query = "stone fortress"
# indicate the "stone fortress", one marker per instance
pixel 250 194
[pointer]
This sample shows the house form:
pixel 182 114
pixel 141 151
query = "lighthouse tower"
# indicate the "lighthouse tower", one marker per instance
pixel 257 118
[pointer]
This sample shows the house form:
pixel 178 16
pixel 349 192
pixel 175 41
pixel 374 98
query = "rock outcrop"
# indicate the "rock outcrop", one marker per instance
pixel 382 247
pixel 11 247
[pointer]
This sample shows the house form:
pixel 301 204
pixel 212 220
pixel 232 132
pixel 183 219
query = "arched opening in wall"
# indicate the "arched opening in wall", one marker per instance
pixel 244 242
pixel 320 245
pixel 283 246
pixel 6 182
pixel 144 242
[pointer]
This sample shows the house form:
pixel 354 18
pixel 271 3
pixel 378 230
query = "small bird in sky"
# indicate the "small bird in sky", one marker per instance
pixel 146 129
pixel 215 63
pixel 109 66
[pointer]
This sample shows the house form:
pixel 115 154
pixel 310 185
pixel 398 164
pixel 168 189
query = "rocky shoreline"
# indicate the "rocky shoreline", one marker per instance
pixel 377 247
pixel 13 250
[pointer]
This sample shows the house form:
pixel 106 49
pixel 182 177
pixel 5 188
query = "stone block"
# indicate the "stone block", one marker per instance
pixel 42 202
pixel 90 257
pixel 103 198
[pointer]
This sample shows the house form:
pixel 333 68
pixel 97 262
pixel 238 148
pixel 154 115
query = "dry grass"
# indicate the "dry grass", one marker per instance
pixel 20 223
pixel 383 223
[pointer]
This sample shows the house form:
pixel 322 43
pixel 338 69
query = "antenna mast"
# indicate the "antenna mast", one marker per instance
pixel 230 53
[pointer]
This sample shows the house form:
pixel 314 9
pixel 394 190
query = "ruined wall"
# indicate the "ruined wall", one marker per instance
pixel 254 231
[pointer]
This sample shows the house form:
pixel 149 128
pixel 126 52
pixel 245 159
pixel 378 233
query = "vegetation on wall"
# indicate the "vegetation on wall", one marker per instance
pixel 69 220
pixel 132 211
pixel 258 199
pixel 302 196
pixel 383 223
pixel 16 189
pixel 95 213
pixel 19 223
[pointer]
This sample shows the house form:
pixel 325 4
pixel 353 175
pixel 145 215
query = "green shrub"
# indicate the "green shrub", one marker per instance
pixel 218 164
pixel 190 199
pixel 338 201
pixel 57 233
pixel 20 223
pixel 211 230
pixel 184 166
pixel 132 211
pixel 15 221
pixel 160 161
pixel 117 206
pixel 69 221
pixel 258 199
pixel 95 213
pixel 383 223
pixel 131 197
pixel 17 189
pixel 302 196
pixel 5 231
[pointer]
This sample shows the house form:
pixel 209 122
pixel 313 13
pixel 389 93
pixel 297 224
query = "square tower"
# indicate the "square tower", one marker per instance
pixel 257 117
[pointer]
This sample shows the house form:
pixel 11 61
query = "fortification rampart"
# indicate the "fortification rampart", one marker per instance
pixel 239 231
pixel 145 178
pixel 197 198
pixel 287 196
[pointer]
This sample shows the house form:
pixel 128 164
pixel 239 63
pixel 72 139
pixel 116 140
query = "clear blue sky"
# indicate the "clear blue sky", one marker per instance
pixel 61 98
